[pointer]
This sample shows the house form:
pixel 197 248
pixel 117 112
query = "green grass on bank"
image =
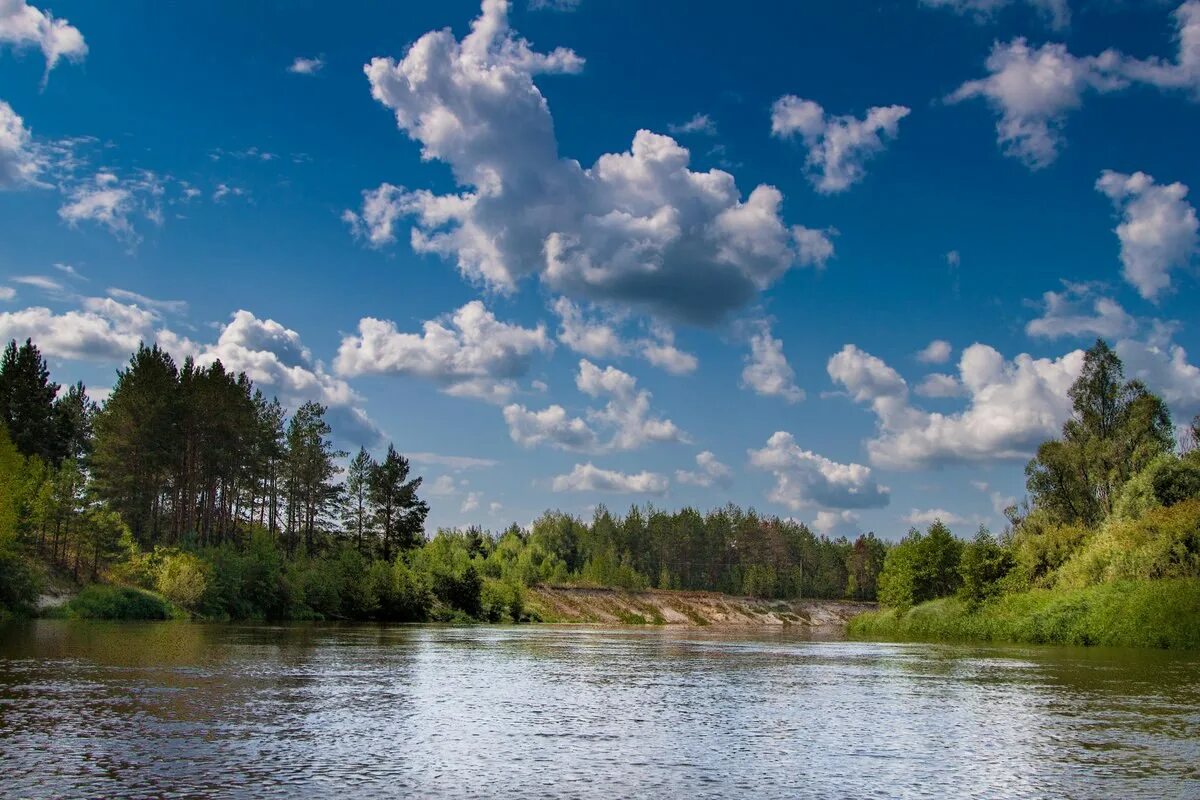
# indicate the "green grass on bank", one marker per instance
pixel 1161 613
pixel 101 601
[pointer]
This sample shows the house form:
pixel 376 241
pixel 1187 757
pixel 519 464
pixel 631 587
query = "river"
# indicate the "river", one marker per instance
pixel 191 710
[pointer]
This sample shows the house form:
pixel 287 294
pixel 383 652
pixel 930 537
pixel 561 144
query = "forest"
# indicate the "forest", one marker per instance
pixel 1105 550
pixel 190 493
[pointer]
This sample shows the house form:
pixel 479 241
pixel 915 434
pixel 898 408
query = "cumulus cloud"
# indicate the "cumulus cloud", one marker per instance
pixel 599 337
pixel 804 479
pixel 306 66
pixel 470 352
pixel 275 358
pixel 1157 232
pixel 1056 12
pixel 115 203
pixel 23 25
pixel 939 384
pixel 590 478
pixel 1032 89
pixel 838 146
pixel 7 293
pixel 103 330
pixel 709 472
pixel 767 371
pixel 627 411
pixel 637 227
pixel 936 352
pixel 19 160
pixel 700 123
pixel 1164 367
pixel 1012 406
pixel 836 523
pixel 551 426
pixel 1078 311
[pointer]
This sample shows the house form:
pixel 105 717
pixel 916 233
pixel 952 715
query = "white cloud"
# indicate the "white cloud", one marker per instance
pixel 306 66
pixel 1012 406
pixel 468 353
pixel 22 25
pixel 470 502
pixel 836 523
pixel 931 515
pixel 661 352
pixel 7 293
pixel 224 190
pixel 19 161
pixel 590 337
pixel 627 412
pixel 1158 228
pixel 804 479
pixel 1033 89
pixel 554 5
pixel 456 463
pixel 114 203
pixel 709 472
pixel 94 333
pixel 441 486
pixel 48 285
pixel 1056 12
pixel 838 146
pixel 1078 311
pixel 1183 72
pixel 1163 366
pixel 939 384
pixel 700 123
pixel 590 478
pixel 638 227
pixel 275 358
pixel 767 371
pixel 936 352
pixel 1000 502
pixel 550 426
pixel 161 306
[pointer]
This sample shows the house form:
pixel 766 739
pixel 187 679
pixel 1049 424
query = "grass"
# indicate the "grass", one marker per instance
pixel 1161 614
pixel 99 601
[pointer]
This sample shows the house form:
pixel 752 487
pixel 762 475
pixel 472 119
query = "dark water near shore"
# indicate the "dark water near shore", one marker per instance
pixel 183 710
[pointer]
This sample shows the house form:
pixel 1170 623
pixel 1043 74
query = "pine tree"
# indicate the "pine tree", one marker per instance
pixel 358 485
pixel 27 402
pixel 399 514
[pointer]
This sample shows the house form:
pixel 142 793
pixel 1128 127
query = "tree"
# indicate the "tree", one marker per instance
pixel 921 567
pixel 357 494
pixel 984 562
pixel 399 514
pixel 27 402
pixel 310 471
pixel 1116 429
pixel 864 564
pixel 137 442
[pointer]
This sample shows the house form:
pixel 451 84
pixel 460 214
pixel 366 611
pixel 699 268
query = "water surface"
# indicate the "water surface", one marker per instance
pixel 188 710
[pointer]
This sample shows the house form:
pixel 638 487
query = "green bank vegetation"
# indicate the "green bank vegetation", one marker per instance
pixel 1106 552
pixel 190 493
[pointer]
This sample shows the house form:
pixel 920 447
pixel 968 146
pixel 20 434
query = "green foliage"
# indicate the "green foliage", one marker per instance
pixel 99 601
pixel 502 601
pixel 984 563
pixel 20 579
pixel 921 567
pixel 1160 613
pixel 1177 481
pixel 1163 543
pixel 183 578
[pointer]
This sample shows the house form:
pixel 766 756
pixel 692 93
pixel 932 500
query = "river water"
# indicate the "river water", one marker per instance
pixel 189 710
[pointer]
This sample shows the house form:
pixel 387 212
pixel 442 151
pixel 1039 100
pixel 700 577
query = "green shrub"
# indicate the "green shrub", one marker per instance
pixel 100 601
pixel 1158 613
pixel 502 601
pixel 983 565
pixel 1163 543
pixel 20 579
pixel 183 579
pixel 921 567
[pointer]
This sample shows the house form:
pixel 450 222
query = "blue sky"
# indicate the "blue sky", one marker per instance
pixel 832 260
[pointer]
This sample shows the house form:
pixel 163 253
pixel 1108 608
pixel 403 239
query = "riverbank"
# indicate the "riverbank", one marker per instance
pixel 664 607
pixel 1160 614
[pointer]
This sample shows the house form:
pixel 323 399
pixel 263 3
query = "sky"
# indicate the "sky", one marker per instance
pixel 834 260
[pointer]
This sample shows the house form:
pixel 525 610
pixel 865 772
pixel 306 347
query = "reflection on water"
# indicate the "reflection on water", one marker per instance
pixel 90 709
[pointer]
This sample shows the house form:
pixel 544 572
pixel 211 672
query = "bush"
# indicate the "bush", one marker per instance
pixel 983 565
pixel 502 601
pixel 1164 543
pixel 1164 614
pixel 99 601
pixel 183 579
pixel 20 579
pixel 921 567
